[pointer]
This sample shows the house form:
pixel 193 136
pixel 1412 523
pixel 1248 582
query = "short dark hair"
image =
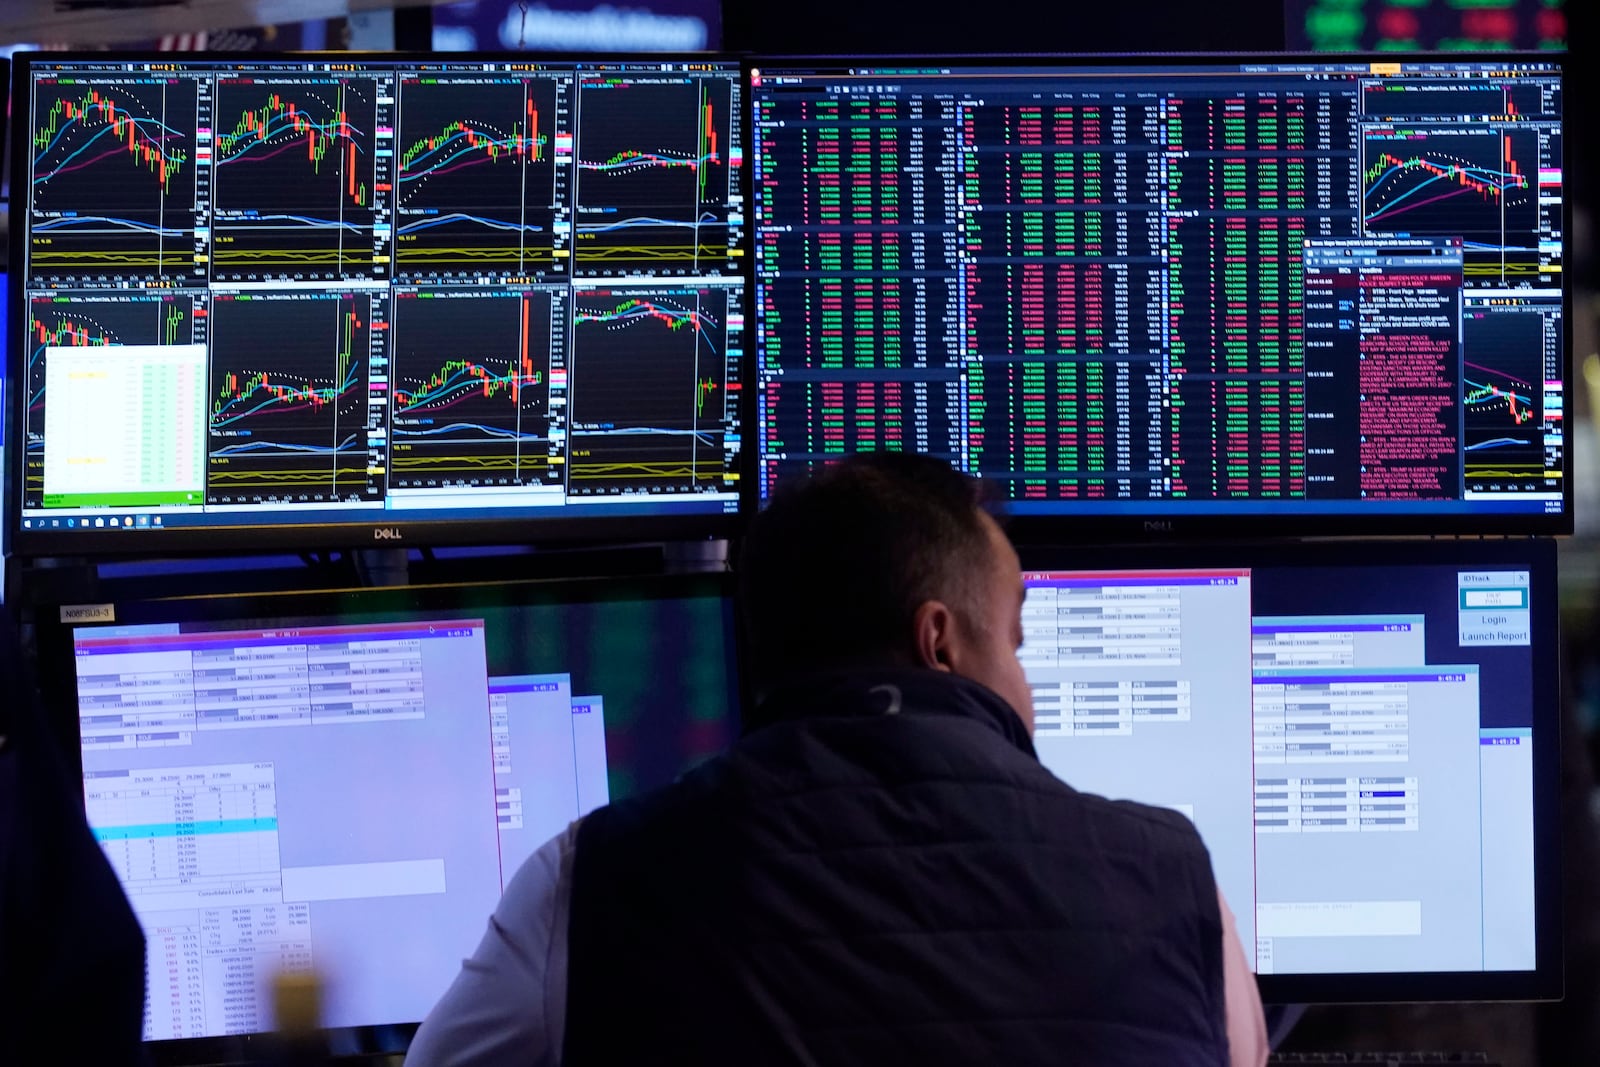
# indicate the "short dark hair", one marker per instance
pixel 833 571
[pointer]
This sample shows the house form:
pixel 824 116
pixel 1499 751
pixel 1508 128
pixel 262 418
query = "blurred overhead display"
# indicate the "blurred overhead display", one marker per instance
pixel 578 26
pixel 1425 25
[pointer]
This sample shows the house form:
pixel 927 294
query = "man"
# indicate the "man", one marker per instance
pixel 70 947
pixel 879 871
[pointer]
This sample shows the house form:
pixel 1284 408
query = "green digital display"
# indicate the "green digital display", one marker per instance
pixel 1426 25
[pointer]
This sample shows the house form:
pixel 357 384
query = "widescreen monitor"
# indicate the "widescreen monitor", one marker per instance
pixel 1186 297
pixel 1366 737
pixel 344 782
pixel 359 299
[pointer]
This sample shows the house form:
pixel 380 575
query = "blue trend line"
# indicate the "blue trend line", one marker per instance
pixel 218 419
pixel 1475 171
pixel 131 224
pixel 460 216
pixel 285 126
pixel 647 431
pixel 602 227
pixel 493 431
pixel 1528 400
pixel 646 311
pixel 504 142
pixel 346 445
pixel 647 159
pixel 306 220
pixel 61 131
pixel 1498 442
pixel 86 146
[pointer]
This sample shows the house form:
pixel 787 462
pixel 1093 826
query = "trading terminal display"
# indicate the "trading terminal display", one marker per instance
pixel 1307 289
pixel 278 292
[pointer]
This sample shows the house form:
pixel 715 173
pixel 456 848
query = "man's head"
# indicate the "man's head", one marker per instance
pixel 884 559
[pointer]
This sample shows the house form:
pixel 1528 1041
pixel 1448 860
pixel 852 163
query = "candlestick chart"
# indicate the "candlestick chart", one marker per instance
pixel 476 175
pixel 1479 185
pixel 299 183
pixel 650 388
pixel 471 389
pixel 113 180
pixel 1502 381
pixel 289 413
pixel 654 175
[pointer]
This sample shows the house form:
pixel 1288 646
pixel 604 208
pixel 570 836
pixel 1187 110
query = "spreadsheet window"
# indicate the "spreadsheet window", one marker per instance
pixel 276 800
pixel 1364 809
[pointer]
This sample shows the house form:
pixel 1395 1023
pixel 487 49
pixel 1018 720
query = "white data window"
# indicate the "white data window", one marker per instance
pixel 1338 641
pixel 1367 812
pixel 336 788
pixel 1141 689
pixel 1496 608
pixel 1506 760
pixel 549 760
pixel 126 424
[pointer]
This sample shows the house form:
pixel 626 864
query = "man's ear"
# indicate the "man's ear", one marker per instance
pixel 933 633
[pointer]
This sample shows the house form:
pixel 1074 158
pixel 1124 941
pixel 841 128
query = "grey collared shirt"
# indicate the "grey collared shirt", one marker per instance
pixel 509 1003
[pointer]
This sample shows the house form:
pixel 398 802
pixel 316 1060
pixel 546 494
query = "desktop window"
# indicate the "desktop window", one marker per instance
pixel 1355 744
pixel 282 792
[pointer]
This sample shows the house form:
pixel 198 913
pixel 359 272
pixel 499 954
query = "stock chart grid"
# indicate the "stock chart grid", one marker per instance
pixel 277 292
pixel 1308 288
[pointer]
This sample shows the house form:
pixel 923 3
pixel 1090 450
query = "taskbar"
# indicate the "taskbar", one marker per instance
pixel 618 507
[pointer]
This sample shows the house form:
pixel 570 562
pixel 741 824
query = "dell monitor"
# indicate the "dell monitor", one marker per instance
pixel 1366 737
pixel 344 300
pixel 283 782
pixel 1168 296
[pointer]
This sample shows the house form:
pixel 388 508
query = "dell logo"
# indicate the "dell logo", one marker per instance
pixel 386 533
pixel 1161 526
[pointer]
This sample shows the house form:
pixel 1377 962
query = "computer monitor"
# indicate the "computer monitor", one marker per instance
pixel 1174 296
pixel 1366 737
pixel 361 299
pixel 346 781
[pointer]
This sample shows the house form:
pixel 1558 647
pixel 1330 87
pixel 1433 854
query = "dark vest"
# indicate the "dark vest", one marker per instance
pixel 884 874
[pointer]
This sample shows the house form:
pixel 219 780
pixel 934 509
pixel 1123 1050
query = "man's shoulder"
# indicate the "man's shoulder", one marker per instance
pixel 1129 822
pixel 689 798
pixel 1166 823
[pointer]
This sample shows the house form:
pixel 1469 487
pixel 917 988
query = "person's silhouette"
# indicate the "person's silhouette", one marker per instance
pixel 71 951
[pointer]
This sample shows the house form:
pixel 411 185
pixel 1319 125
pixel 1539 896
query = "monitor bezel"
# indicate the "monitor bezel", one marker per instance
pixel 6 322
pixel 1090 527
pixel 389 529
pixel 58 682
pixel 1538 557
